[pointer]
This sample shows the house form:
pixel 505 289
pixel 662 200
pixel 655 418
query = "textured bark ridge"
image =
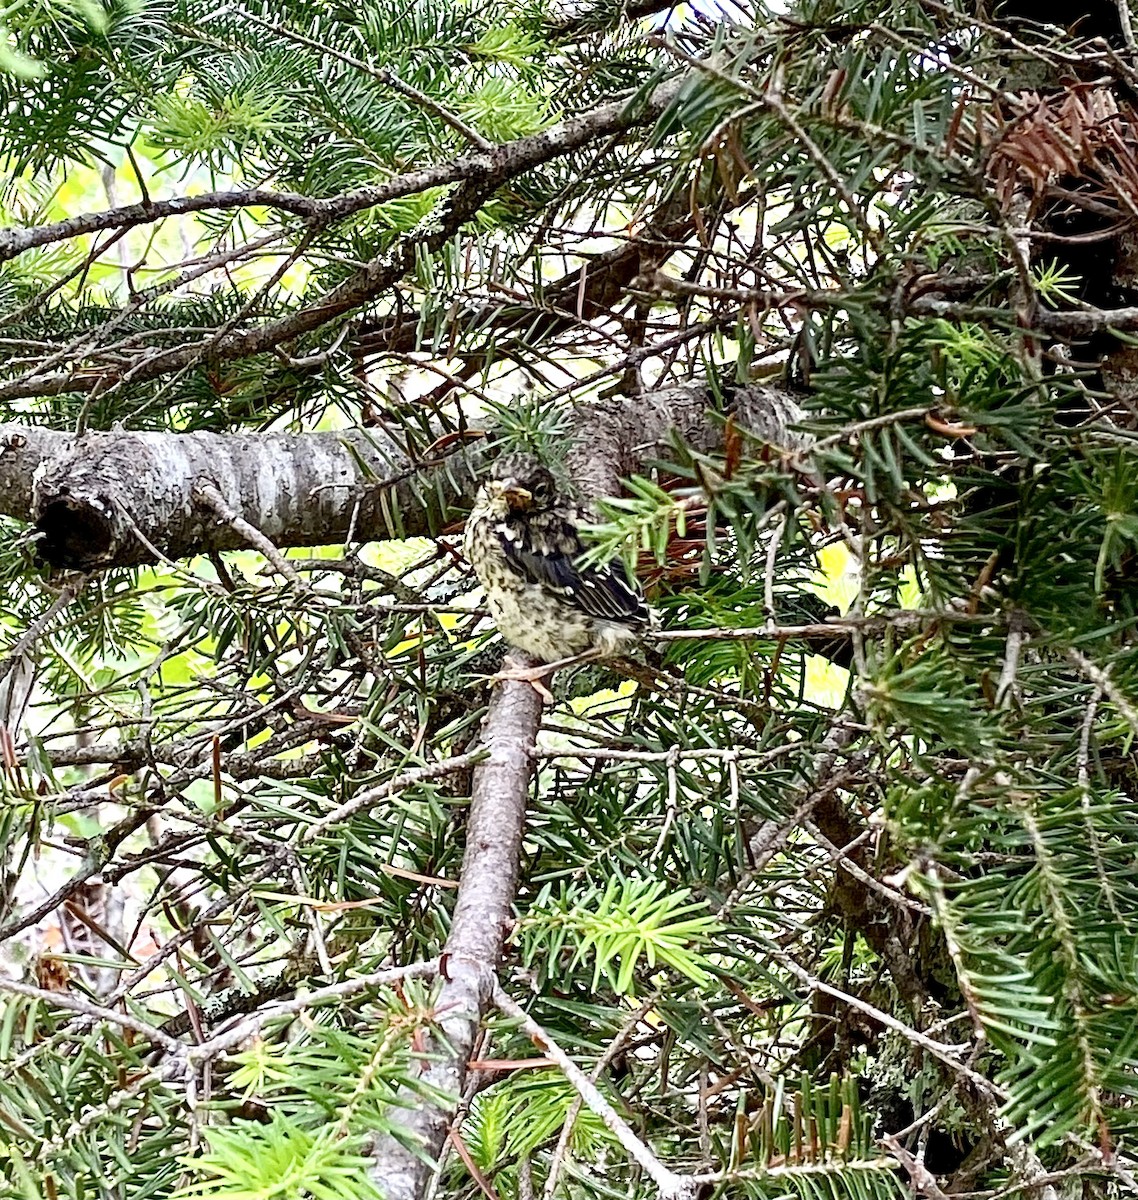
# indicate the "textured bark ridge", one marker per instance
pixel 118 498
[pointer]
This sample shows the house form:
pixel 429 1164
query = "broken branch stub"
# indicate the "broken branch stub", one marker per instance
pixel 116 498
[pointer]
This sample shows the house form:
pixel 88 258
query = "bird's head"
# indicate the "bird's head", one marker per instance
pixel 522 483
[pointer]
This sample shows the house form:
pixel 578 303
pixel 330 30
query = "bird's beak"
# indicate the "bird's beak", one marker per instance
pixel 514 494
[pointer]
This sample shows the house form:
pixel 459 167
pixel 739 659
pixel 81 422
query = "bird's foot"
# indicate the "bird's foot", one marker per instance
pixel 534 676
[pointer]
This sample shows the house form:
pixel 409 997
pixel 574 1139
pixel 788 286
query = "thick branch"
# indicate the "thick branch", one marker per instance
pixel 116 498
pixel 104 499
pixel 478 930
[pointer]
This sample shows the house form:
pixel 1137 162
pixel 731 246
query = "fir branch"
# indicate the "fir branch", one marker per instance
pixel 478 929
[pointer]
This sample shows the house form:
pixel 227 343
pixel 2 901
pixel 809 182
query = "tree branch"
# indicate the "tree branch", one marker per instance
pixel 671 1186
pixel 507 160
pixel 104 498
pixel 479 926
pixel 481 174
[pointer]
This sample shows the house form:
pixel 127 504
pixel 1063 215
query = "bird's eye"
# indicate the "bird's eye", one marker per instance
pixel 540 491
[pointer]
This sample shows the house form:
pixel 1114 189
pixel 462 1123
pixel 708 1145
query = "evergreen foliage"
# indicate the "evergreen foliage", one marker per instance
pixel 828 925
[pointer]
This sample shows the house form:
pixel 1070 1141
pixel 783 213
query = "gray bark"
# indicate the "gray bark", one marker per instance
pixel 117 498
pixel 97 499
pixel 478 931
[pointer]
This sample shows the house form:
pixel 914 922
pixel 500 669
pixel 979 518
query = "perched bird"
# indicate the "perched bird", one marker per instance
pixel 522 541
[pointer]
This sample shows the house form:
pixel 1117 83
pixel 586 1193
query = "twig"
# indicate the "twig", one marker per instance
pixel 288 1008
pixel 715 753
pixel 1125 25
pixel 923 1181
pixel 1100 677
pixel 838 627
pixel 1013 649
pixel 28 638
pixel 365 799
pixel 795 1171
pixel 208 496
pixel 96 1012
pixel 672 805
pixel 1086 802
pixel 611 1051
pixel 671 1185
pixel 768 576
pixel 1084 756
pixel 384 75
pixel 945 1053
pixel 841 857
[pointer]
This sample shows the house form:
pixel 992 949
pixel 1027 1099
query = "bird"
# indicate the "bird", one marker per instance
pixel 522 539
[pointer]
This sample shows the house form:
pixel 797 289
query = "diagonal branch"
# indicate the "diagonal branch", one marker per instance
pixel 671 1186
pixel 481 174
pixel 507 160
pixel 479 926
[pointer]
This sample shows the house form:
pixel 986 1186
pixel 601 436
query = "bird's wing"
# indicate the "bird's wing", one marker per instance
pixel 545 550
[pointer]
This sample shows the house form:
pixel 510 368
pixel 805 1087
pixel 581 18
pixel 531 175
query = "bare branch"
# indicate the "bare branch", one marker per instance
pixel 671 1185
pixel 478 930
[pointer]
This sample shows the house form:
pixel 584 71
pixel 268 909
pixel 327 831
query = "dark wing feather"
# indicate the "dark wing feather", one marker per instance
pixel 545 548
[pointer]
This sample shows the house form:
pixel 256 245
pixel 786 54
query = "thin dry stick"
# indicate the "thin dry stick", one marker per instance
pixel 946 1054
pixel 768 577
pixel 715 753
pixel 838 627
pixel 36 628
pixel 1084 778
pixel 671 1185
pixel 1100 677
pixel 288 1008
pixel 794 1171
pixel 1005 685
pixel 207 495
pixel 840 856
pixel 611 1051
pixel 96 1012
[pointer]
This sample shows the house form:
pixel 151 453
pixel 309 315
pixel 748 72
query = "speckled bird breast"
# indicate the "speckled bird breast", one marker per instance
pixel 526 615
